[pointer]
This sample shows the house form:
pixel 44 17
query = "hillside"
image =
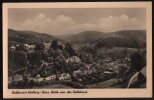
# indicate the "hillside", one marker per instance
pixel 87 36
pixel 130 34
pixel 95 35
pixel 29 36
pixel 120 42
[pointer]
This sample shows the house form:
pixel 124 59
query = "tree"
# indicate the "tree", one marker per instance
pixel 44 55
pixel 11 59
pixel 11 43
pixel 34 58
pixel 21 47
pixel 50 52
pixel 68 48
pixel 60 47
pixel 20 57
pixel 138 61
pixel 137 43
pixel 39 47
pixel 11 56
pixel 54 44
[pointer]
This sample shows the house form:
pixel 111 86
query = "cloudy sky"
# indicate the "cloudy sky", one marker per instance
pixel 62 21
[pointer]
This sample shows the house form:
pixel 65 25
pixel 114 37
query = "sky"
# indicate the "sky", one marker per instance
pixel 61 21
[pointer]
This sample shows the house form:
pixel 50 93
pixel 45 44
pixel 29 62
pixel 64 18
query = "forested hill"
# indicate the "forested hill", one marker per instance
pixel 120 42
pixel 29 36
pixel 87 36
pixel 96 35
pixel 130 34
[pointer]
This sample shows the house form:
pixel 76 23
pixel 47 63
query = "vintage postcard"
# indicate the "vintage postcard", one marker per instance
pixel 77 50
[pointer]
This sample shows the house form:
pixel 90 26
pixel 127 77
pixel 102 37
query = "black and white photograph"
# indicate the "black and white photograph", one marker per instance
pixel 77 48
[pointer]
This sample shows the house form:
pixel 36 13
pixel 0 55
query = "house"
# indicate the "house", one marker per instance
pixel 51 77
pixel 88 71
pixel 64 76
pixel 73 59
pixel 108 72
pixel 26 45
pixel 110 69
pixel 38 76
pixel 38 80
pixel 12 48
pixel 31 47
pixel 78 72
pixel 47 45
pixel 48 78
pixel 80 80
pixel 17 45
pixel 18 78
pixel 29 78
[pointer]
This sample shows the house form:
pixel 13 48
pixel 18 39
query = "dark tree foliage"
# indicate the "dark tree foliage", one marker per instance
pixel 50 52
pixel 138 61
pixel 28 37
pixel 44 55
pixel 17 39
pixel 34 58
pixel 70 68
pixel 30 42
pixel 12 43
pixel 20 57
pixel 39 47
pixel 68 48
pixel 120 42
pixel 91 50
pixel 54 44
pixel 21 47
pixel 54 53
pixel 24 35
pixel 11 56
pixel 60 47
